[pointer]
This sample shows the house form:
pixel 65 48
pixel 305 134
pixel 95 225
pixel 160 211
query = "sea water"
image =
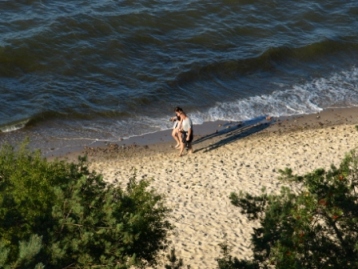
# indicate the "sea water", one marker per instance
pixel 111 70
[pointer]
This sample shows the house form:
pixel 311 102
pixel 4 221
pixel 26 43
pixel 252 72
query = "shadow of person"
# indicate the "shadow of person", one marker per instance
pixel 231 132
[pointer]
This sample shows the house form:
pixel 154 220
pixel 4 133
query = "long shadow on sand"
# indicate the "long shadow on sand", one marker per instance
pixel 230 133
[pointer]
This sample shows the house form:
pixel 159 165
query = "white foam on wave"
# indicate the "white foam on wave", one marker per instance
pixel 13 126
pixel 339 90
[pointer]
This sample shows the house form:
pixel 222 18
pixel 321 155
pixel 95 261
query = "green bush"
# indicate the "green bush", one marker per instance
pixel 60 214
pixel 314 229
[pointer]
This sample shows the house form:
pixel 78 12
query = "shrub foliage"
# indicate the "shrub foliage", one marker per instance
pixel 316 228
pixel 61 215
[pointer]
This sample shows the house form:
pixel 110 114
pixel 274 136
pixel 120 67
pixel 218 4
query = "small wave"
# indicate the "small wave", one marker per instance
pixel 338 90
pixel 14 126
pixel 270 60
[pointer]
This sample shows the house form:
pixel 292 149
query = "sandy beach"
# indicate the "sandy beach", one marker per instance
pixel 230 158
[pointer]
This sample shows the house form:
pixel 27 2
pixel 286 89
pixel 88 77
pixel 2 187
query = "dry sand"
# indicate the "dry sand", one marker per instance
pixel 236 158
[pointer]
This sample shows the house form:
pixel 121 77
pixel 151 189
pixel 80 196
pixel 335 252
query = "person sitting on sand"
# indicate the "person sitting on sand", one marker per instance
pixel 176 127
pixel 187 133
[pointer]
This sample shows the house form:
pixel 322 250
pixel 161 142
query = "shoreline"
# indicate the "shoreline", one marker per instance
pixel 212 132
pixel 232 158
pixel 56 147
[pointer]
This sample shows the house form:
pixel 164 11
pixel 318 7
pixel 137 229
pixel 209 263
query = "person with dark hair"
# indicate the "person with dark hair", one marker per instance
pixel 176 119
pixel 187 134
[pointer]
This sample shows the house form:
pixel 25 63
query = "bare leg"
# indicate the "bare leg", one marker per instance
pixel 190 148
pixel 176 137
pixel 182 145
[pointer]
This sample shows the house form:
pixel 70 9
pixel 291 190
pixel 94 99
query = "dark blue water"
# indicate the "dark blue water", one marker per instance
pixel 106 70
